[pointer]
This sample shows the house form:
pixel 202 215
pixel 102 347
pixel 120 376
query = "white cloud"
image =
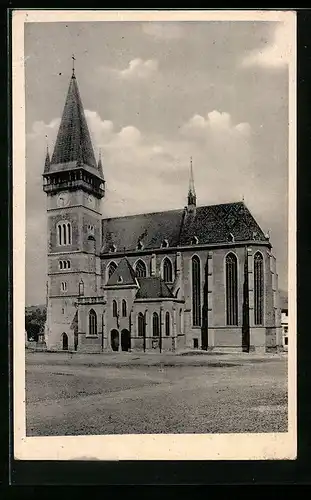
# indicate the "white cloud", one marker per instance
pixel 139 69
pixel 215 121
pixel 49 130
pixel 164 30
pixel 275 55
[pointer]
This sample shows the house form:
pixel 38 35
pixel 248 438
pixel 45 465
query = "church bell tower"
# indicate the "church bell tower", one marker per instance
pixel 74 184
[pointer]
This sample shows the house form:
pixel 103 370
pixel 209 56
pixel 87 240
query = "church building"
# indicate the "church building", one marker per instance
pixel 198 277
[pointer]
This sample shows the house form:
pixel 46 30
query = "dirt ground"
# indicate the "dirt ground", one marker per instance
pixel 129 394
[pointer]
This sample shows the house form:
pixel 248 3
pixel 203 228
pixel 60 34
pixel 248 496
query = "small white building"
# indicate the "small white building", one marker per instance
pixel 284 324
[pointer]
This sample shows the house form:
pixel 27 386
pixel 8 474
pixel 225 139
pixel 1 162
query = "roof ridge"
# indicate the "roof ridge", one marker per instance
pixel 173 210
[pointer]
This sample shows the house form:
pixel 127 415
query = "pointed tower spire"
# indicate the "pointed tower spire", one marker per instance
pixel 73 143
pixel 73 157
pixel 192 198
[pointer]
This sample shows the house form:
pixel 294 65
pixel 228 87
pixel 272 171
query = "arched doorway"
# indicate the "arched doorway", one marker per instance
pixel 125 340
pixel 65 341
pixel 114 337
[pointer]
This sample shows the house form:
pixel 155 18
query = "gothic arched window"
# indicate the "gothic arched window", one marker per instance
pixel 155 325
pixel 196 291
pixel 124 308
pixel 258 288
pixel 114 308
pixel 167 323
pixel 64 233
pixel 167 270
pixel 141 325
pixel 111 269
pixel 141 269
pixel 92 322
pixel 232 289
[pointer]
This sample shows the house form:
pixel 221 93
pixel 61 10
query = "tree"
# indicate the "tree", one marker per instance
pixel 35 317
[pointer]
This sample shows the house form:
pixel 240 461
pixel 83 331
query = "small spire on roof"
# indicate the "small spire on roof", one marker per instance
pixel 192 198
pixel 73 66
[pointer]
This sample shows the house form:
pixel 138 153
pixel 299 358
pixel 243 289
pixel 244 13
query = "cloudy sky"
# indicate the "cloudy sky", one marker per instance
pixel 155 94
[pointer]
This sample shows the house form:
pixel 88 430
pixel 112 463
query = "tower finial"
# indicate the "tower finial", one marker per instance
pixel 73 65
pixel 192 199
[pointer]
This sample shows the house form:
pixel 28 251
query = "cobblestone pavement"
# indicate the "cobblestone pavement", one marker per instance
pixel 75 394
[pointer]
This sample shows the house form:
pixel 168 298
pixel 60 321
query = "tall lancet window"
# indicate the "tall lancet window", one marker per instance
pixel 258 288
pixel 167 270
pixel 141 269
pixel 155 325
pixel 196 291
pixel 92 322
pixel 232 289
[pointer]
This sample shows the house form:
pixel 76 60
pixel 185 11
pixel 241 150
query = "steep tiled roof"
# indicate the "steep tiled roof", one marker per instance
pixel 123 275
pixel 210 224
pixel 151 229
pixel 73 143
pixel 153 288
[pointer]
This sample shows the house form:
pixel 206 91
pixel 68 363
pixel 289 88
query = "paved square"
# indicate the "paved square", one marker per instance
pixel 75 394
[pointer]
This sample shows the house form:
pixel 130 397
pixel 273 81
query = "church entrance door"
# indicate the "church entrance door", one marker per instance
pixel 114 337
pixel 65 341
pixel 125 340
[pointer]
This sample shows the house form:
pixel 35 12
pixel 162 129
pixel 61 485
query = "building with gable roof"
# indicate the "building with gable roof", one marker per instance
pixel 199 277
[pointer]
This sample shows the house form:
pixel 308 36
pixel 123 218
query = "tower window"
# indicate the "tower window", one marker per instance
pixel 167 323
pixel 141 269
pixel 114 309
pixel 232 289
pixel 92 322
pixel 124 308
pixel 64 264
pixel 167 270
pixel 81 287
pixel 258 288
pixel 155 325
pixel 63 286
pixel 196 291
pixel 63 233
pixel 111 269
